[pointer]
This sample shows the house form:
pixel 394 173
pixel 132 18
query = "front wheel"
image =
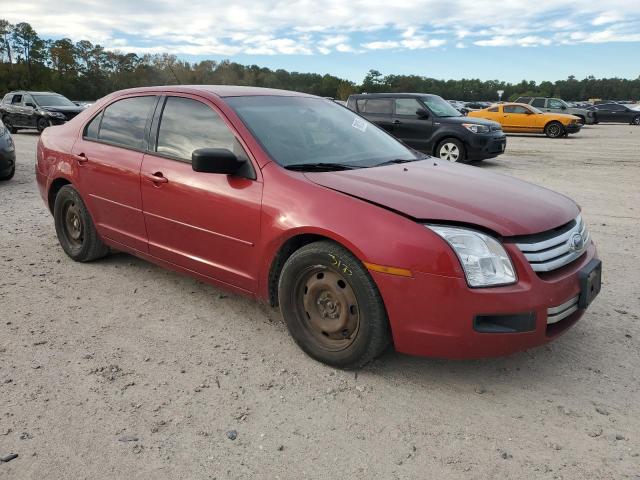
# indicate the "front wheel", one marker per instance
pixel 451 150
pixel 42 123
pixel 332 307
pixel 554 130
pixel 10 175
pixel 75 229
pixel 636 120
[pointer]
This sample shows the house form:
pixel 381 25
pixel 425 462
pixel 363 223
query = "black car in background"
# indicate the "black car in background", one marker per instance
pixel 616 112
pixel 431 125
pixel 7 154
pixel 23 109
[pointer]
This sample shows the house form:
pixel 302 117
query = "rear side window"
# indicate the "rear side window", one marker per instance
pixel 538 102
pixel 375 105
pixel 16 99
pixel 515 109
pixel 493 109
pixel 187 125
pixel 124 121
pixel 407 106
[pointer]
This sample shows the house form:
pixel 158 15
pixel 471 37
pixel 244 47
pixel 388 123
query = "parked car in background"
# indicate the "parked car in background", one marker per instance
pixel 431 125
pixel 300 202
pixel 25 109
pixel 558 105
pixel 459 105
pixel 7 154
pixel 523 118
pixel 618 113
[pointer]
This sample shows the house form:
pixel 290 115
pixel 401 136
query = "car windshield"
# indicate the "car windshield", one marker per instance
pixel 298 131
pixel 53 101
pixel 440 107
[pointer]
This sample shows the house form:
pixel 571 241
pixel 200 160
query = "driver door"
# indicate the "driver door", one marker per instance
pixel 208 223
pixel 517 118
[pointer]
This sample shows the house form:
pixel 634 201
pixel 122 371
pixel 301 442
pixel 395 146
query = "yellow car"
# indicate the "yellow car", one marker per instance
pixel 522 118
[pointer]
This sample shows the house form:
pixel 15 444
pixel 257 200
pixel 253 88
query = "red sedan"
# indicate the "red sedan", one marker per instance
pixel 300 202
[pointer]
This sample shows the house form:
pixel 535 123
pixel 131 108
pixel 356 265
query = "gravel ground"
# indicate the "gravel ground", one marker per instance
pixel 119 369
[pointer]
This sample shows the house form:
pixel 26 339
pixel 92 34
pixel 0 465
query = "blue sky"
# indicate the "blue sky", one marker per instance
pixel 507 40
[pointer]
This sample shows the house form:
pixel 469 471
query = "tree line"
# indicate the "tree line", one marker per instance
pixel 86 71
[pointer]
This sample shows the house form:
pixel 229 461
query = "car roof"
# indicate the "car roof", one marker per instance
pixel 392 94
pixel 219 90
pixel 33 92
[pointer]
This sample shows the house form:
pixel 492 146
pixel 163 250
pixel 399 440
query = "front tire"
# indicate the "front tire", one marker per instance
pixel 554 130
pixel 42 123
pixel 451 150
pixel 10 175
pixel 75 229
pixel 636 120
pixel 332 307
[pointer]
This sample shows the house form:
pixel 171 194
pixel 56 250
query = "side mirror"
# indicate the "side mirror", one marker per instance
pixel 29 104
pixel 215 160
pixel 422 113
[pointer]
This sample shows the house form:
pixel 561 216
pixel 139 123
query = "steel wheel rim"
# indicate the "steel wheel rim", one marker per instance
pixel 73 225
pixel 327 308
pixel 450 152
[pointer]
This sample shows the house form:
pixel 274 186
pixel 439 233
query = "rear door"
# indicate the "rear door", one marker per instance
pixel 609 112
pixel 416 132
pixel 27 111
pixel 377 110
pixel 208 223
pixel 109 156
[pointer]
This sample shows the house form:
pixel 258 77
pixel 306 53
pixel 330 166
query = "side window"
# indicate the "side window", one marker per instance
pixel 493 109
pixel 407 106
pixel 7 98
pixel 381 106
pixel 17 99
pixel 124 121
pixel 555 104
pixel 91 130
pixel 515 109
pixel 187 125
pixel 615 106
pixel 28 99
pixel 539 103
pixel 360 103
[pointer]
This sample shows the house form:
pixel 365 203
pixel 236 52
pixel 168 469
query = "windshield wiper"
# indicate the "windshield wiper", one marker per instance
pixel 399 160
pixel 320 166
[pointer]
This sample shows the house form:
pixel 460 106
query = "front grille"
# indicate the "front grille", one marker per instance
pixel 552 250
pixel 555 314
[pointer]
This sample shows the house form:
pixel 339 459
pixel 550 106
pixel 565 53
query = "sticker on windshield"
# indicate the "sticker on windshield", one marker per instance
pixel 359 123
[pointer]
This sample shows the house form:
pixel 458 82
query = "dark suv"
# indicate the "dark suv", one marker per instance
pixel 39 110
pixel 431 125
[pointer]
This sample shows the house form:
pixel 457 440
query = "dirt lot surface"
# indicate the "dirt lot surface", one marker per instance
pixel 119 369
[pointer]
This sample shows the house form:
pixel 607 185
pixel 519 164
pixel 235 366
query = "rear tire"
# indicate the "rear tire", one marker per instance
pixel 451 150
pixel 75 229
pixel 554 130
pixel 10 127
pixel 332 307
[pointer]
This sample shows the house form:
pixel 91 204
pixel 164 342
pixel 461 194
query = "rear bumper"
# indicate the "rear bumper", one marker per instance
pixel 486 146
pixel 437 316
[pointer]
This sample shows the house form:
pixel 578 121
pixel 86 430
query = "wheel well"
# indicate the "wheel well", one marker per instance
pixel 442 140
pixel 553 121
pixel 55 187
pixel 286 250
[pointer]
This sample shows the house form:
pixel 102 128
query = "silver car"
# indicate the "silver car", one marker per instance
pixel 558 105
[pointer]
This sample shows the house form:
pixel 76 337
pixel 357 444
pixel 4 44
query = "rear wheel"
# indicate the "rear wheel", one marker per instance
pixel 451 150
pixel 7 124
pixel 332 307
pixel 554 130
pixel 42 123
pixel 74 227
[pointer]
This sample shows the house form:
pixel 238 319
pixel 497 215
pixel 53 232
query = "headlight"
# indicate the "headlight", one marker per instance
pixel 483 259
pixel 476 128
pixel 47 113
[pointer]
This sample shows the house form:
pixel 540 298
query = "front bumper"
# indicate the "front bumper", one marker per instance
pixel 436 316
pixel 481 146
pixel 573 127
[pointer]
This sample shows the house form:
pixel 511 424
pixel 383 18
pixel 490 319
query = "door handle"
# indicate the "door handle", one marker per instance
pixel 156 177
pixel 81 158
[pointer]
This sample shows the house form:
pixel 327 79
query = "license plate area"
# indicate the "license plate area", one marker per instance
pixel 590 282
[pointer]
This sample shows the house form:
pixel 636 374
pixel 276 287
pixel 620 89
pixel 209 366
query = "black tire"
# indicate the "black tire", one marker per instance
pixel 452 150
pixel 75 229
pixel 7 124
pixel 42 123
pixel 320 277
pixel 10 175
pixel 554 130
pixel 636 120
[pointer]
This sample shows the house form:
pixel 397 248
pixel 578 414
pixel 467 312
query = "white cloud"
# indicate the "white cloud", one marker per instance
pixel 304 27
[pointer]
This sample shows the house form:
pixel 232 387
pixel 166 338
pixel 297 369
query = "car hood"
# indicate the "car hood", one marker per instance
pixel 437 191
pixel 63 109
